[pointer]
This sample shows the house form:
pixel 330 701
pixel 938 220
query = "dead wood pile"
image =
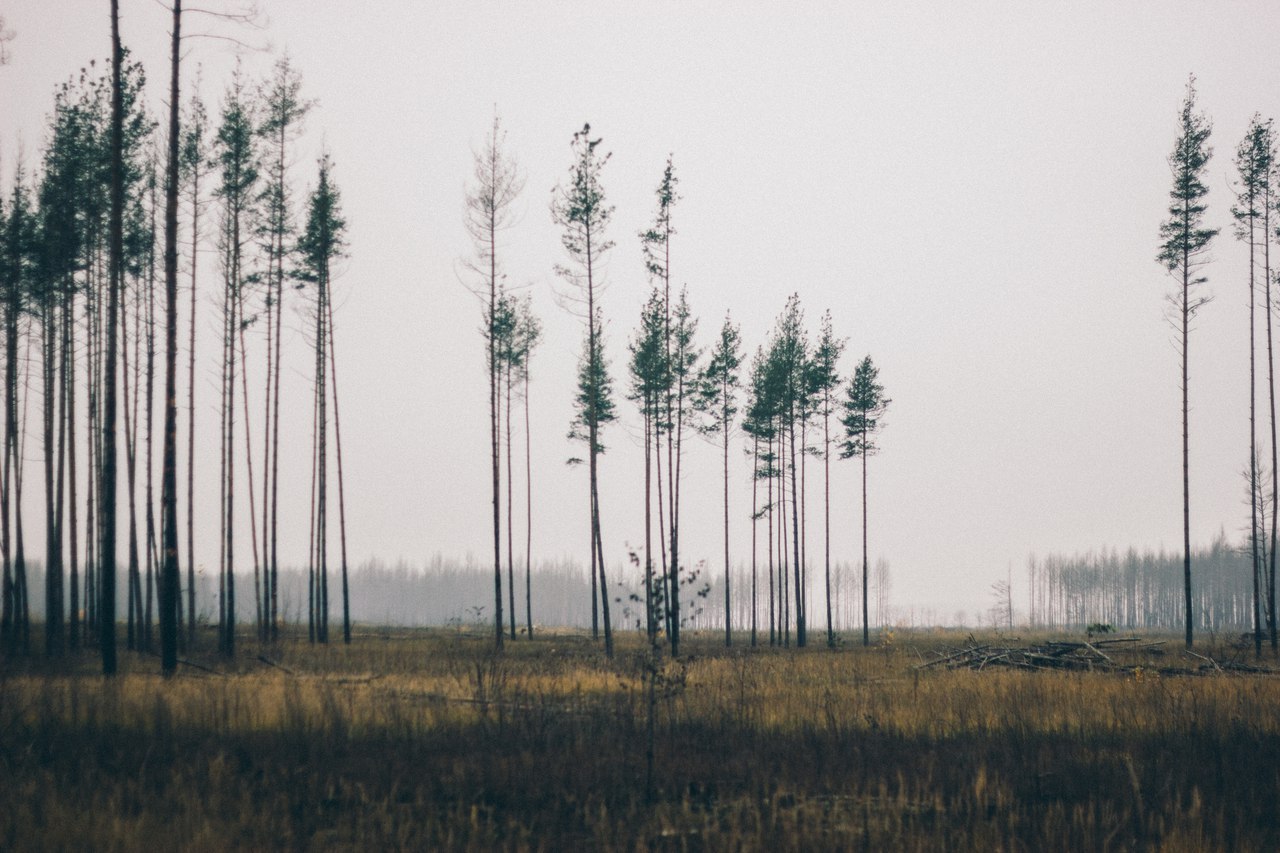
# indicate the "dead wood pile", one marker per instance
pixel 1121 654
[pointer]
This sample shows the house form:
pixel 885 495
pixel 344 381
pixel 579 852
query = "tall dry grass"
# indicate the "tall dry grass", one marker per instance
pixel 425 740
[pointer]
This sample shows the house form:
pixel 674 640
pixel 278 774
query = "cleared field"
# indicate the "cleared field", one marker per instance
pixel 426 740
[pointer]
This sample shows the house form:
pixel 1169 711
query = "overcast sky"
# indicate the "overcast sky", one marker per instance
pixel 973 189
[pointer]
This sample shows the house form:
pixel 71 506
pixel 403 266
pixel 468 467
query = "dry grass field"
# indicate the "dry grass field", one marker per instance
pixel 426 740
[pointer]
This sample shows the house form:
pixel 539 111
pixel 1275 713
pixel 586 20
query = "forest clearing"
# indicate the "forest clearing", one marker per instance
pixel 427 739
pixel 839 336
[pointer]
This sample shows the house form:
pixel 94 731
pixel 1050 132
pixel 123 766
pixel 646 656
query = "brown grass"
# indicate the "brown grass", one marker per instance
pixel 425 740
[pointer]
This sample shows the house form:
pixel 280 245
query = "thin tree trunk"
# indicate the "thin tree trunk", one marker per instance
pixel 191 420
pixel 493 414
pixel 53 551
pixel 107 551
pixel 1186 454
pixel 1253 458
pixel 266 622
pixel 674 472
pixel 1271 397
pixel 724 428
pixel 312 626
pixel 651 630
pixel 866 630
pixel 795 540
pixel 342 503
pixel 259 582
pixel 826 508
pixel 22 593
pixel 511 559
pixel 593 430
pixel 169 569
pixel 755 480
pixel 275 455
pixel 46 382
pixel 133 585
pixel 227 321
pixel 773 621
pixel 528 510
pixel 322 463
pixel 784 579
pixel 149 500
pixel 70 411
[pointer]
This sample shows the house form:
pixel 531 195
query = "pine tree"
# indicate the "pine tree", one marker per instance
pixel 283 111
pixel 16 275
pixel 238 165
pixel 717 399
pixel 789 361
pixel 682 365
pixel 528 334
pixel 824 380
pixel 655 243
pixel 115 266
pixel 864 409
pixel 579 208
pixel 496 183
pixel 1253 165
pixel 1184 248
pixel 649 370
pixel 195 163
pixel 756 425
pixel 322 243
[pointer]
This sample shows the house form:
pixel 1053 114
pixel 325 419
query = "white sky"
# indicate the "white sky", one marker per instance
pixel 973 188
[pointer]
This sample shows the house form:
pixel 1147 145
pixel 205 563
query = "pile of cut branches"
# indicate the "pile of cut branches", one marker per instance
pixel 1121 654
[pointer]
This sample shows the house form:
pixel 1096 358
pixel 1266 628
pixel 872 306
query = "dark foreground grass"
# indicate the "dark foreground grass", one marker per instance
pixel 428 741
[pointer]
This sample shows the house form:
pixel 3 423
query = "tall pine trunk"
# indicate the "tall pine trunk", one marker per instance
pixel 342 502
pixel 107 494
pixel 528 511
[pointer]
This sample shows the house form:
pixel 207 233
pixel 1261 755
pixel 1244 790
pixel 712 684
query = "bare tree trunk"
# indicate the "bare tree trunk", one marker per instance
pixel 826 509
pixel 21 593
pixel 795 539
pixel 1271 397
pixel 593 436
pixel 312 622
pixel 662 526
pixel 69 381
pixel 528 510
pixel 53 550
pixel 724 430
pixel 169 569
pixel 774 623
pixel 322 464
pixel 755 480
pixel 674 472
pixel 866 630
pixel 511 559
pixel 342 503
pixel 227 322
pixel 1186 455
pixel 1255 562
pixel 191 424
pixel 266 622
pixel 493 416
pixel 133 584
pixel 259 582
pixel 107 551
pixel 651 630
pixel 784 579
pixel 149 500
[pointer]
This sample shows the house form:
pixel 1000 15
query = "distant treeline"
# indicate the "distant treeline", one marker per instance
pixel 1142 590
pixel 446 592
